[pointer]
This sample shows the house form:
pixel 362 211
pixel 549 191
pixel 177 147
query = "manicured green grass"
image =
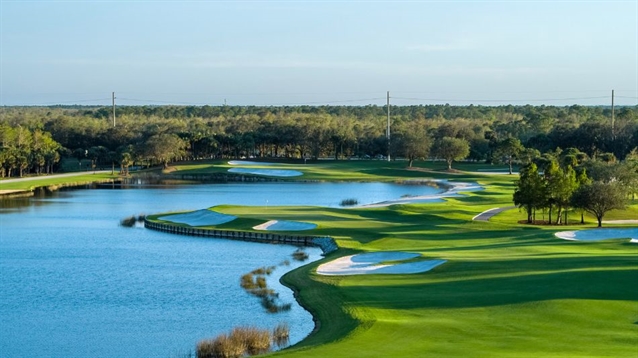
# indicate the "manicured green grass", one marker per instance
pixel 363 170
pixel 507 290
pixel 46 181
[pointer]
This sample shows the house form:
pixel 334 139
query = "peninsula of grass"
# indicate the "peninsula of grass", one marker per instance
pixel 508 289
pixel 53 183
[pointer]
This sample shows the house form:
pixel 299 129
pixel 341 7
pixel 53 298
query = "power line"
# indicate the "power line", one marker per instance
pixel 64 102
pixel 159 101
pixel 336 101
pixel 499 100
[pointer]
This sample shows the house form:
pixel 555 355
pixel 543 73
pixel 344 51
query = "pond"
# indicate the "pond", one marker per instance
pixel 76 284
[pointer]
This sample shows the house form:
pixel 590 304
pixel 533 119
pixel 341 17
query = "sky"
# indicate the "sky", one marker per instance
pixel 318 52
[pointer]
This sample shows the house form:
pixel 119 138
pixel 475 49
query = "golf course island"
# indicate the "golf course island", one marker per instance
pixel 411 277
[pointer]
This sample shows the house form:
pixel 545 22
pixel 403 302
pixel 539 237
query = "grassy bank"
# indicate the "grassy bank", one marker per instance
pixel 508 289
pixel 54 183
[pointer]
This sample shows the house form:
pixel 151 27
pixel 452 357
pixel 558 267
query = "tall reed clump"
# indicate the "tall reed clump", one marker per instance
pixel 222 346
pixel 240 342
pixel 300 255
pixel 257 341
pixel 281 335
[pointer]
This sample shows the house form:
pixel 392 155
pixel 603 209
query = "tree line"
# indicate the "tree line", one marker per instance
pixel 34 139
pixel 561 180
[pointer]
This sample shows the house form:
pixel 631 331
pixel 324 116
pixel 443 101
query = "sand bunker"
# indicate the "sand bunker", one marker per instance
pixel 202 217
pixel 275 225
pixel 453 191
pixel 267 172
pixel 599 234
pixel 369 263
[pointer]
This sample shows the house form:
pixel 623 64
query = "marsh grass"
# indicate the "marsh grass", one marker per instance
pixel 132 220
pixel 244 341
pixel 271 305
pixel 264 270
pixel 300 255
pixel 255 340
pixel 281 335
pixel 255 284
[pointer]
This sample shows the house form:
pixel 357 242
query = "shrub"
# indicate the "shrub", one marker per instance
pixel 349 202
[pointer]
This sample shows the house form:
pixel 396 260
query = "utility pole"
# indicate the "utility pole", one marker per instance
pixel 387 133
pixel 612 115
pixel 113 96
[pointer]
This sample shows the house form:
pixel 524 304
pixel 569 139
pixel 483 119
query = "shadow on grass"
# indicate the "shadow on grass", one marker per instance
pixel 596 278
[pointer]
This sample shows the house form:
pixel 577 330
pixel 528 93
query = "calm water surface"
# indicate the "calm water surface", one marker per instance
pixel 76 284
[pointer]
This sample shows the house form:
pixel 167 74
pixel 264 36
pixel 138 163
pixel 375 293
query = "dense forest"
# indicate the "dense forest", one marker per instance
pixel 34 139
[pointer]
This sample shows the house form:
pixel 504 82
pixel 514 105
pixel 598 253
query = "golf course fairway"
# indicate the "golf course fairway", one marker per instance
pixel 507 289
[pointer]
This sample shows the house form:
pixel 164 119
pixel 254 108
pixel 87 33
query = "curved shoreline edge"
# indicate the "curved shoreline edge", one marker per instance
pixel 325 243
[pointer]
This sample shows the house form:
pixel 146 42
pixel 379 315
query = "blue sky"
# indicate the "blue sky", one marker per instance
pixel 320 52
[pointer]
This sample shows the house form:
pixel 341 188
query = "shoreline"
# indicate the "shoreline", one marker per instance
pixel 452 189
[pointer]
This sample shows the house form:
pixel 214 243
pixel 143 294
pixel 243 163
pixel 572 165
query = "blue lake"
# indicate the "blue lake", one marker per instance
pixel 73 283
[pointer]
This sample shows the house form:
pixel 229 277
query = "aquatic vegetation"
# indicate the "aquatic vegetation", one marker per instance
pixel 300 255
pixel 255 283
pixel 132 220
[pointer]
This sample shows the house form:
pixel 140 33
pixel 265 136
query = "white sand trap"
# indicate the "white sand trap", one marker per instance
pixel 202 217
pixel 620 221
pixel 248 162
pixel 453 191
pixel 275 225
pixel 599 234
pixel 368 263
pixel 267 172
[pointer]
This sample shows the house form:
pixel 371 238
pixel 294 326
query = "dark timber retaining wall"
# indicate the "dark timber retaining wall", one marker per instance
pixel 327 244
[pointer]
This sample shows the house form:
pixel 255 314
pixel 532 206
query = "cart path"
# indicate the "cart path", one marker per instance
pixel 487 214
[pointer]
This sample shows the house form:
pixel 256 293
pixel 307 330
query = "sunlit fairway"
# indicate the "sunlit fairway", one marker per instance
pixel 508 289
pixel 55 182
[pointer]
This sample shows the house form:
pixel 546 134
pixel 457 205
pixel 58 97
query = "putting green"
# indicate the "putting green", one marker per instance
pixel 372 263
pixel 202 217
pixel 284 225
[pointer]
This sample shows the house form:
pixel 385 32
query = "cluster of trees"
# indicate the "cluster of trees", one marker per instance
pixel 570 179
pixel 26 150
pixel 161 134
